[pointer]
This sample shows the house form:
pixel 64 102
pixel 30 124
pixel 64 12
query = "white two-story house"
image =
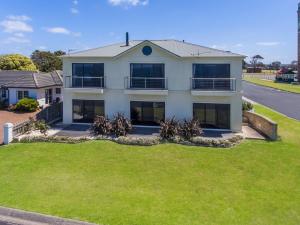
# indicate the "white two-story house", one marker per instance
pixel 150 81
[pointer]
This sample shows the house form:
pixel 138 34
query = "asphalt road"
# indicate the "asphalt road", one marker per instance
pixel 283 102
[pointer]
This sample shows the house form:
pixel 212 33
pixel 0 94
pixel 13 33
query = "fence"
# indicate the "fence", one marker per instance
pixel 50 114
pixel 260 76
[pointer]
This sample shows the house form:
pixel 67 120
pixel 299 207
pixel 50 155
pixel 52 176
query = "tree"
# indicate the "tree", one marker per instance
pixel 16 62
pixel 276 65
pixel 47 61
pixel 256 60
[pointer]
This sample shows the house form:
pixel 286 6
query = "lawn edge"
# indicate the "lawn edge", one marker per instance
pixel 39 217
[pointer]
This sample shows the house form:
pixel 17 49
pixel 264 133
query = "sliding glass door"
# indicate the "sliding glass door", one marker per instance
pixel 216 116
pixel 147 75
pixel 211 76
pixel 147 113
pixel 88 75
pixel 84 111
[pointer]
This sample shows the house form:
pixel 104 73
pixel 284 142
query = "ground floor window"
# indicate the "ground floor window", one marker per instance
pixel 22 94
pixel 84 111
pixel 147 113
pixel 215 116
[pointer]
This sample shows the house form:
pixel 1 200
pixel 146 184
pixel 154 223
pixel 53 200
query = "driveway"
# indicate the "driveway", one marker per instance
pixel 281 101
pixel 11 117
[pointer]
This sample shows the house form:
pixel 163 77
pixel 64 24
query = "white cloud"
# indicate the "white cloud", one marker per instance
pixel 58 30
pixel 62 30
pixel 75 2
pixel 15 24
pixel 19 34
pixel 20 17
pixel 16 40
pixel 271 43
pixel 128 2
pixel 74 10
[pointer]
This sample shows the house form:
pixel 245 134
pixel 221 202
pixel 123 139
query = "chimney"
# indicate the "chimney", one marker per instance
pixel 298 42
pixel 127 39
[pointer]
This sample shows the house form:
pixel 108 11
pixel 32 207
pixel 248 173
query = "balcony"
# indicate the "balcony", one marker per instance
pixel 85 84
pixel 146 85
pixel 213 86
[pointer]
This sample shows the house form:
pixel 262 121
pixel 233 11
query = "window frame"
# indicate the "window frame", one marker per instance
pixel 23 95
pixel 227 74
pixel 83 70
pixel 83 108
pixel 151 76
pixel 217 107
pixel 142 103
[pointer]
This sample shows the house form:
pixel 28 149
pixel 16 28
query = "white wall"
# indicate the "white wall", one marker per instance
pixel 38 94
pixel 178 71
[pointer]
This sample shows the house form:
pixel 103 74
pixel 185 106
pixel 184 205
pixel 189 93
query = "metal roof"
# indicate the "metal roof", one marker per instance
pixel 29 79
pixel 178 48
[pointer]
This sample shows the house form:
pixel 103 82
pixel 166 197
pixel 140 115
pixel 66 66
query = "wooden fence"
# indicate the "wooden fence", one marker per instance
pixel 50 114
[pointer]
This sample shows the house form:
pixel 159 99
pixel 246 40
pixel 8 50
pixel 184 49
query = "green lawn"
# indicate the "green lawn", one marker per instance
pixel 280 86
pixel 257 182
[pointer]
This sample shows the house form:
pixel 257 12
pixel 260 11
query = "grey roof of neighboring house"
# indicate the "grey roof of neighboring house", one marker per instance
pixel 29 79
pixel 178 48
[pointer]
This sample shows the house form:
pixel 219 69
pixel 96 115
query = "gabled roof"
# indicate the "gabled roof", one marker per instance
pixel 29 79
pixel 178 48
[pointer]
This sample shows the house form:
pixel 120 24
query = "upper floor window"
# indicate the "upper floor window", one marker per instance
pixel 88 69
pixel 211 70
pixel 147 70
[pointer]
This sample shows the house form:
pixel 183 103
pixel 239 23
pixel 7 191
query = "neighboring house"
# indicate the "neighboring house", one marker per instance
pixel 46 88
pixel 150 81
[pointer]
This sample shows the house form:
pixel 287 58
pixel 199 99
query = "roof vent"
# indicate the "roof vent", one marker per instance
pixel 127 39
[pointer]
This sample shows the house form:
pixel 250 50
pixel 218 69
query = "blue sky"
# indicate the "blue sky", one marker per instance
pixel 267 27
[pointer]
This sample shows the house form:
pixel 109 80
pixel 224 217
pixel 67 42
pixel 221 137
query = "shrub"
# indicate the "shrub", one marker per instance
pixel 218 143
pixel 27 105
pixel 169 129
pixel 51 139
pixel 101 126
pixel 42 126
pixel 190 128
pixel 121 126
pixel 247 106
pixel 141 141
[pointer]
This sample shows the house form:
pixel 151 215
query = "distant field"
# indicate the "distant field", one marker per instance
pixel 259 80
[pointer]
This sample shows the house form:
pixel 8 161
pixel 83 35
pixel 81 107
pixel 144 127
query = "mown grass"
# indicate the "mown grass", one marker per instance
pixel 272 84
pixel 256 182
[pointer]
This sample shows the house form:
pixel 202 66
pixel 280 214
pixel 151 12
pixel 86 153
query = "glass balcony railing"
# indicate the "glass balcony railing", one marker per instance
pixel 84 82
pixel 213 84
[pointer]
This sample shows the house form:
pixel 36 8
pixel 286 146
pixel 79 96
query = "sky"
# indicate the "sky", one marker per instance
pixel 265 27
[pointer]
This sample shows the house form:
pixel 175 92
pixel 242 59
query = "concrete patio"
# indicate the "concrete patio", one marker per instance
pixel 82 130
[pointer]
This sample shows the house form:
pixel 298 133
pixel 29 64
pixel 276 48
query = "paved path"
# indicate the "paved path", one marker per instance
pixel 283 102
pixel 10 216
